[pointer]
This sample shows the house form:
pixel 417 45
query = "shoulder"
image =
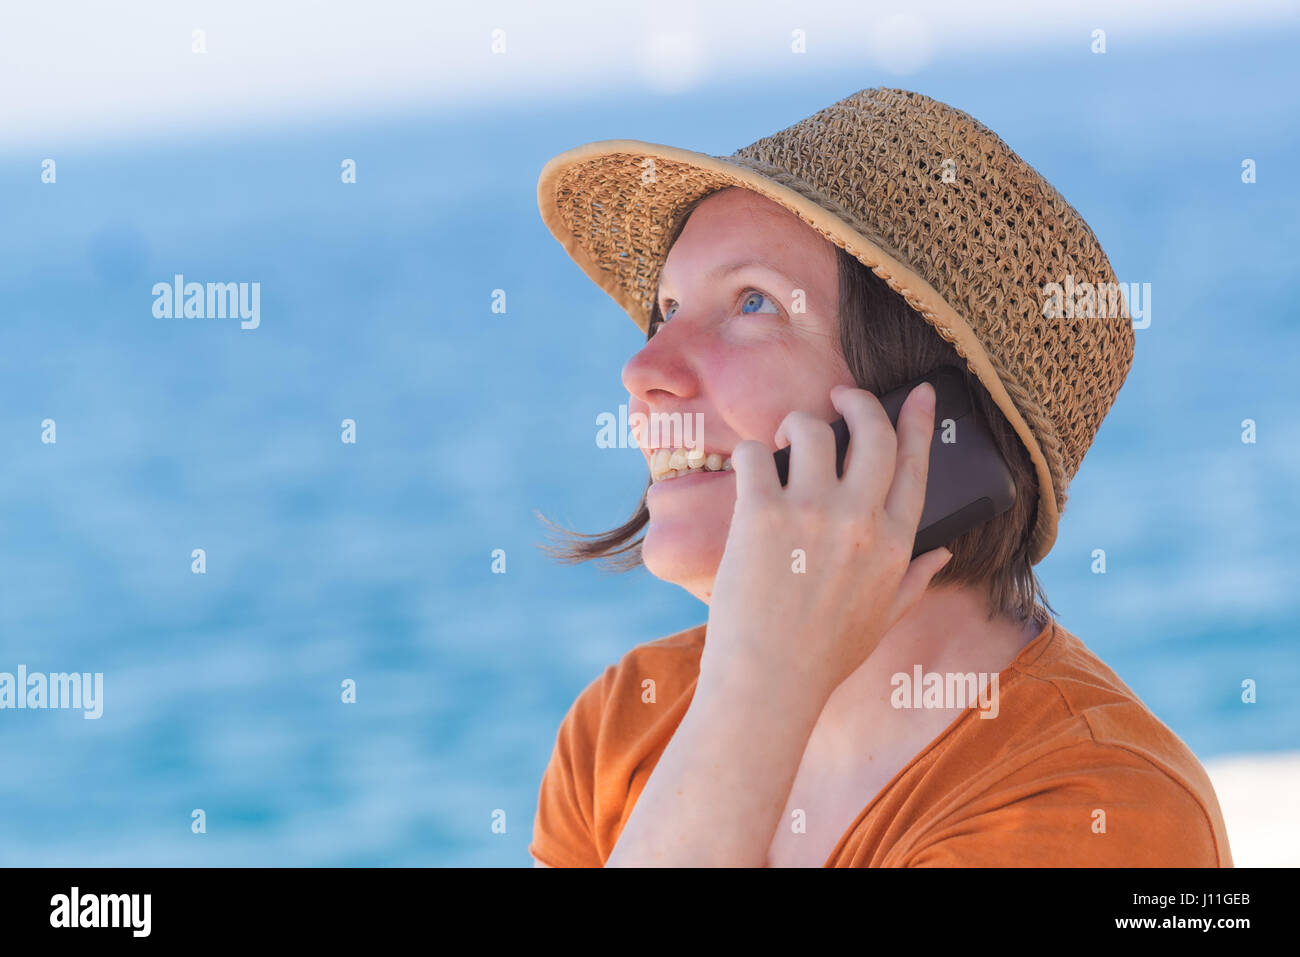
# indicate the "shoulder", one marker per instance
pixel 613 732
pixel 1107 717
pixel 672 661
pixel 638 701
pixel 1086 772
pixel 671 664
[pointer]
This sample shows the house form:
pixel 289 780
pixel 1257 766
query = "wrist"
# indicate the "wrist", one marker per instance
pixel 746 687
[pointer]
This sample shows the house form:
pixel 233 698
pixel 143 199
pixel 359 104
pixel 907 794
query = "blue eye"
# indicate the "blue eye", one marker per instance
pixel 750 298
pixel 748 305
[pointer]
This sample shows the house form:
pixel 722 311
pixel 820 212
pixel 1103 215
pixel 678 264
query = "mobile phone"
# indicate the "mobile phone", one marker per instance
pixel 968 483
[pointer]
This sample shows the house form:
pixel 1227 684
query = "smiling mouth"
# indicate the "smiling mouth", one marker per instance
pixel 668 464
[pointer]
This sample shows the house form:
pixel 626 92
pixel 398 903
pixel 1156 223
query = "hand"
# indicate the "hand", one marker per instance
pixel 808 631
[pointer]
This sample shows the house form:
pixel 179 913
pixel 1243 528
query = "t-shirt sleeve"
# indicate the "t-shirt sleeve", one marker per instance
pixel 1087 806
pixel 563 829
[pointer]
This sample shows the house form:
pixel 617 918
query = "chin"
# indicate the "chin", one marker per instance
pixel 681 553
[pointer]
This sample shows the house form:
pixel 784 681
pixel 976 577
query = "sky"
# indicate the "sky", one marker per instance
pixel 78 70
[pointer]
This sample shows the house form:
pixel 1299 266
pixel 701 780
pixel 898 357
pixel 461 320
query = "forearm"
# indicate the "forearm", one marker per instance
pixel 717 794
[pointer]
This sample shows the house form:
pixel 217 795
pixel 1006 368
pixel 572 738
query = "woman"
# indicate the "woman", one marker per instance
pixel 810 721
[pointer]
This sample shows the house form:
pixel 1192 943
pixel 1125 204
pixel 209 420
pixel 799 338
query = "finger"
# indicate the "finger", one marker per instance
pixel 812 450
pixel 906 498
pixel 916 580
pixel 869 465
pixel 755 470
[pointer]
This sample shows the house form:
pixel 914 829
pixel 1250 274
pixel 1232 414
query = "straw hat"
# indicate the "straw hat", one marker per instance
pixel 936 205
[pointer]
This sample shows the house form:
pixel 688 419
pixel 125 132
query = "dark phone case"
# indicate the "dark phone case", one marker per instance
pixel 968 483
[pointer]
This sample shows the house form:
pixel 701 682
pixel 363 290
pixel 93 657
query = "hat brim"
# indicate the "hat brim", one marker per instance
pixel 584 174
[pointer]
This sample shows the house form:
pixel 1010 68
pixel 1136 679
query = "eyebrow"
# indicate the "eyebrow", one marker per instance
pixel 727 269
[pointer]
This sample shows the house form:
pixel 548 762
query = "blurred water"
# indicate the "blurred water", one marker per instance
pixel 371 561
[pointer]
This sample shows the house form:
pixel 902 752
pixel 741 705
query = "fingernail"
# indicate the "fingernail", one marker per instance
pixel 927 396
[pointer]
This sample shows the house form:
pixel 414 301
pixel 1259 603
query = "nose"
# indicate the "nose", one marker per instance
pixel 663 369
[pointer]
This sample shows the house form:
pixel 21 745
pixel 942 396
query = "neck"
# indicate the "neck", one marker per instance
pixel 948 632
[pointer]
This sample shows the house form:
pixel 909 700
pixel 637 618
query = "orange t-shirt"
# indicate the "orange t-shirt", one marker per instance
pixel 1071 739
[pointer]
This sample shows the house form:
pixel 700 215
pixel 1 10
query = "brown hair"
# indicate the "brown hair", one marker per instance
pixel 886 343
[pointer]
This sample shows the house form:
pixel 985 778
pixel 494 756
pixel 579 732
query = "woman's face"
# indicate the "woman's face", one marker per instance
pixel 743 344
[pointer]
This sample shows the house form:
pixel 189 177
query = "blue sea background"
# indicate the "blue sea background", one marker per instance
pixel 372 561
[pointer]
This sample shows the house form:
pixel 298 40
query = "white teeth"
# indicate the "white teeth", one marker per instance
pixel 670 463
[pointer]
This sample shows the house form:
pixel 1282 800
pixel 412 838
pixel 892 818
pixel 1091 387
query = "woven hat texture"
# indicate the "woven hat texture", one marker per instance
pixel 972 251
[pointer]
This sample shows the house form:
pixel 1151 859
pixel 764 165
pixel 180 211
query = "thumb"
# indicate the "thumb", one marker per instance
pixel 917 579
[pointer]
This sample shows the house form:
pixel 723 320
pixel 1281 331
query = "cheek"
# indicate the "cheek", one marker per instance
pixel 752 398
pixel 756 409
